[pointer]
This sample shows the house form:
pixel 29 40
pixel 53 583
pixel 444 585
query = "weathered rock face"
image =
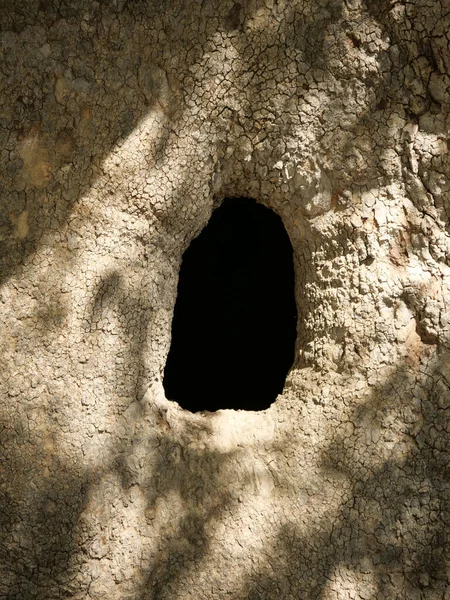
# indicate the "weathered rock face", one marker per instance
pixel 122 126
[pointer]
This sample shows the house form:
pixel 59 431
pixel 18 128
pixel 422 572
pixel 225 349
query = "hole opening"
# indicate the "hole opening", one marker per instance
pixel 234 323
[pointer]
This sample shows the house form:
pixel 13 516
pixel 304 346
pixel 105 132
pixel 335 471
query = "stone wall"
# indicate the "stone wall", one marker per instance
pixel 123 124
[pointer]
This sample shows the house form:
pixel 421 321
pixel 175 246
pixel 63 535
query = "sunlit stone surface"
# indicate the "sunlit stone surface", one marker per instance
pixel 122 126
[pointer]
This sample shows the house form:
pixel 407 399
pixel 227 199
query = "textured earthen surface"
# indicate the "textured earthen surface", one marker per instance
pixel 122 125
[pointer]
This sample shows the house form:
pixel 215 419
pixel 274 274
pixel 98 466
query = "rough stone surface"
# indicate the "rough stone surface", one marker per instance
pixel 122 125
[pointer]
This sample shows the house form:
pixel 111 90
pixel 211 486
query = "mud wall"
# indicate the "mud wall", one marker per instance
pixel 122 126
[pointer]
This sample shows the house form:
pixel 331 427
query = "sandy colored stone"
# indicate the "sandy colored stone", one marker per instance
pixel 122 126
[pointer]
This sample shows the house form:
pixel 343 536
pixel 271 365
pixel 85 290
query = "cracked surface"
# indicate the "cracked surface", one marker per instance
pixel 121 127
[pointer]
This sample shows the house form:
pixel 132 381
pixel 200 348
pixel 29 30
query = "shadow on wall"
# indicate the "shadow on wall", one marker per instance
pixel 79 82
pixel 109 314
pixel 40 530
pixel 202 475
pixel 46 546
pixel 87 106
pixel 390 538
pixel 79 79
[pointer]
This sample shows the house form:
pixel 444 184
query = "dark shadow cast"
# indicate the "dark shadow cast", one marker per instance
pixel 390 535
pixel 403 499
pixel 39 519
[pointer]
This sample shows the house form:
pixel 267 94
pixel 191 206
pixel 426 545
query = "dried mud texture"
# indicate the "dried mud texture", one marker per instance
pixel 122 125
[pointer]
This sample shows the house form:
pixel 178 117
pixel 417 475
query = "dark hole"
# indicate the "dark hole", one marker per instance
pixel 234 324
